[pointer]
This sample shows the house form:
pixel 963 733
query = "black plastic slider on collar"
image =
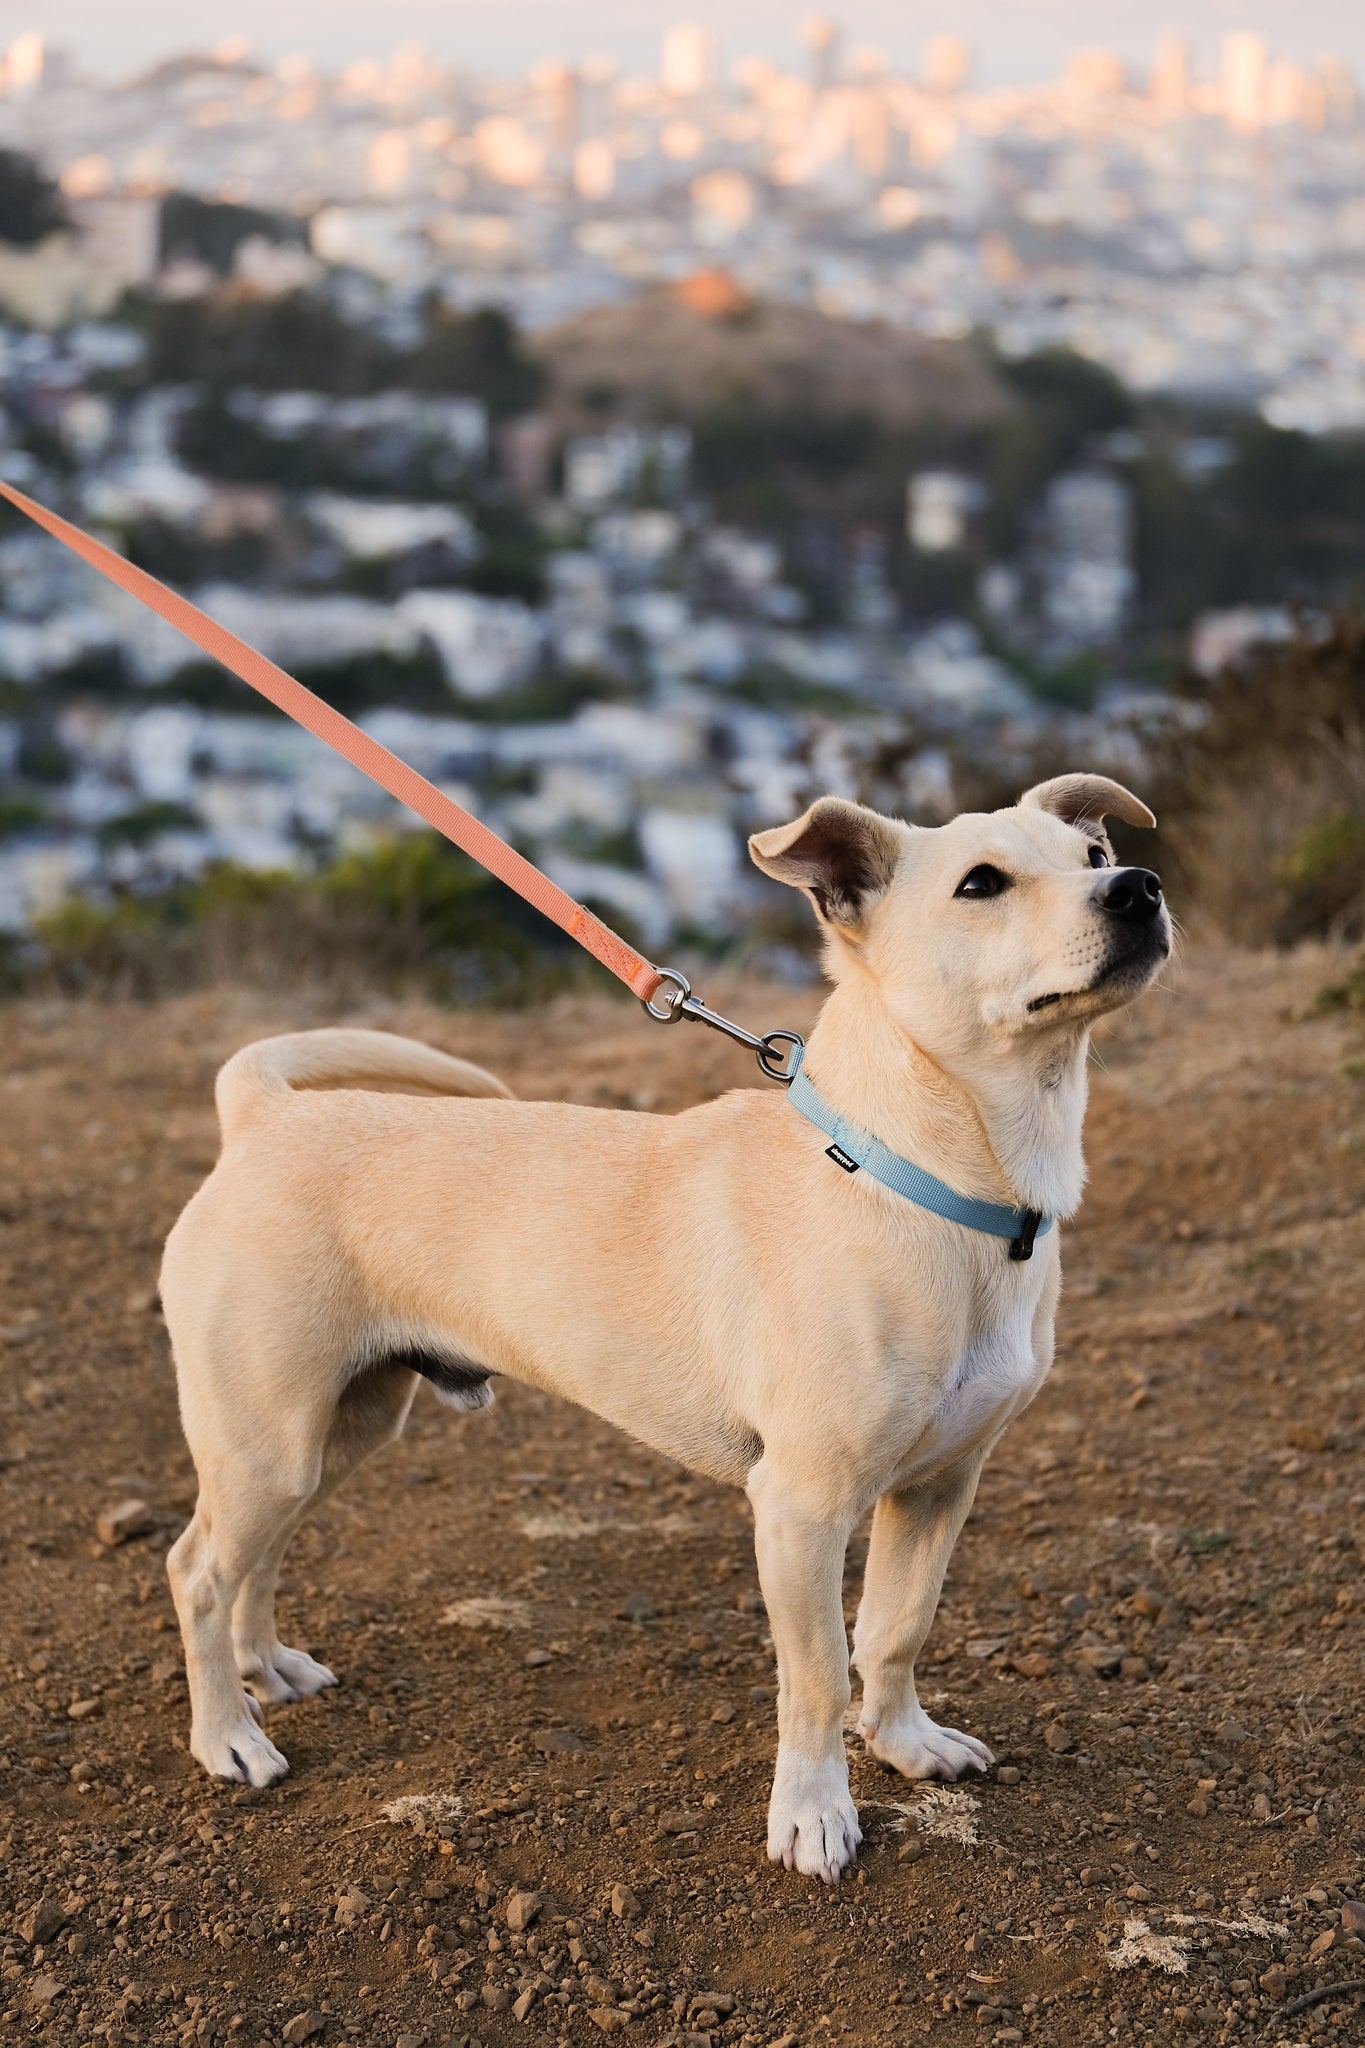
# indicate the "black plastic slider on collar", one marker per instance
pixel 1021 1247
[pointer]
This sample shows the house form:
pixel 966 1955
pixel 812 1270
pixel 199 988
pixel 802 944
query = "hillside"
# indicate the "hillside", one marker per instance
pixel 1154 1616
pixel 678 352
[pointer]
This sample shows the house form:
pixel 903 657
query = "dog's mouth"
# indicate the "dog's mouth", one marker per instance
pixel 1123 974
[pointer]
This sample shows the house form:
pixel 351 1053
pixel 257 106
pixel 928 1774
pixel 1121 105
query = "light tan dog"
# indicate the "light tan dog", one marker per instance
pixel 829 1345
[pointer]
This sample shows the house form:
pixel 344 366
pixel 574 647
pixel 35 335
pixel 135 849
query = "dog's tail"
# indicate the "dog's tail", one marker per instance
pixel 273 1067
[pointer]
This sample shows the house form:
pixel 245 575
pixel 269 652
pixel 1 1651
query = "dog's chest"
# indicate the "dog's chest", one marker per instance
pixel 993 1377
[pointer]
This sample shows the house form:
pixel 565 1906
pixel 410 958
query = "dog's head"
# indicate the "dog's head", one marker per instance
pixel 1001 923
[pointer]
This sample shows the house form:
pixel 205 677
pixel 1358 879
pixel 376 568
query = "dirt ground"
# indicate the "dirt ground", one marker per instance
pixel 552 1647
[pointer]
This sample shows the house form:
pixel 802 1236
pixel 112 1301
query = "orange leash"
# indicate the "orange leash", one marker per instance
pixel 361 751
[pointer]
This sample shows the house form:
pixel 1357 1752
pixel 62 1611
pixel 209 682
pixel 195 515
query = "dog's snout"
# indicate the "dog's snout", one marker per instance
pixel 1133 894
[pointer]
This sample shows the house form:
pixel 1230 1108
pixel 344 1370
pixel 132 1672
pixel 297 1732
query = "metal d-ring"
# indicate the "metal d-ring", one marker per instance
pixel 672 1010
pixel 682 1003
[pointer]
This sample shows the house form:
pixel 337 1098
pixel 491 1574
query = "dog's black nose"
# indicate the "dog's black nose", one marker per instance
pixel 1134 894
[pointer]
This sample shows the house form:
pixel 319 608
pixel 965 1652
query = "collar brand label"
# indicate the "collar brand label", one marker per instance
pixel 841 1158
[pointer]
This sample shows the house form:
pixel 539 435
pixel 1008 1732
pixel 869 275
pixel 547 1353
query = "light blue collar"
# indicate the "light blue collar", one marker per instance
pixel 855 1149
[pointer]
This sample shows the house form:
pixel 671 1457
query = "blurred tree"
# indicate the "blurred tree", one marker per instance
pixel 30 203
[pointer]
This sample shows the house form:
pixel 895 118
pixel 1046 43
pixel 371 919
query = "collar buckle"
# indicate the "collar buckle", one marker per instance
pixel 1021 1247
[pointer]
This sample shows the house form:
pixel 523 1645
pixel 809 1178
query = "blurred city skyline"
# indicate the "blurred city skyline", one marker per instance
pixel 1013 44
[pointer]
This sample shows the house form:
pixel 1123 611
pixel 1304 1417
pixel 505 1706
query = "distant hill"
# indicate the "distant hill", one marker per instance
pixel 682 350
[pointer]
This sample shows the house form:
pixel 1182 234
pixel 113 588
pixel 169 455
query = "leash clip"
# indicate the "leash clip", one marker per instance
pixel 678 1002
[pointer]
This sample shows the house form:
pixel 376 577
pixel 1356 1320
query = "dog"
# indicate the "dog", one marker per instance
pixel 832 1346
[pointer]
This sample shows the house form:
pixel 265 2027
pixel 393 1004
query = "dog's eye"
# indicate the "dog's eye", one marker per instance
pixel 982 881
pixel 1098 857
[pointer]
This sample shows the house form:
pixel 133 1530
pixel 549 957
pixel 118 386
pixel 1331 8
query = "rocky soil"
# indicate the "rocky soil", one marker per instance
pixel 533 1809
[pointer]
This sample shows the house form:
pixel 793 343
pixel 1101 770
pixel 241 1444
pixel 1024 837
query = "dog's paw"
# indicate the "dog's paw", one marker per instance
pixel 244 1754
pixel 918 1748
pixel 284 1675
pixel 812 1821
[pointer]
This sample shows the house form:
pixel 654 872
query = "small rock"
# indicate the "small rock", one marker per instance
pixel 1008 1774
pixel 120 1523
pixel 1075 1605
pixel 609 2018
pixel 351 1907
pixel 624 1903
pixel 721 2003
pixel 681 1821
pixel 1233 1731
pixel 303 2026
pixel 536 1660
pixel 410 2041
pixel 42 1921
pixel 1147 1602
pixel 724 1714
pixel 1059 1740
pixel 637 1608
pixel 1104 1658
pixel 911 1850
pixel 522 1909
pixel 83 1710
pixel 1134 1669
pixel 521 2006
pixel 1274 1983
pixel 557 1742
pixel 1139 1892
pixel 1353 1916
pixel 82 1774
pixel 43 1990
pixel 1033 1664
pixel 1324 1942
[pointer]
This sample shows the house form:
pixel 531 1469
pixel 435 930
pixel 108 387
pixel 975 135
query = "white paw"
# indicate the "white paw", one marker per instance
pixel 283 1675
pixel 243 1754
pixel 918 1748
pixel 812 1821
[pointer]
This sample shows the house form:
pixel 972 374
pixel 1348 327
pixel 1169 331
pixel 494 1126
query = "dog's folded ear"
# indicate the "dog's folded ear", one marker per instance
pixel 1086 799
pixel 841 854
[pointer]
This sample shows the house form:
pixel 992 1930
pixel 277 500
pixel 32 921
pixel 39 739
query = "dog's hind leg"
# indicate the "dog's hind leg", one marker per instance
pixel 913 1534
pixel 371 1412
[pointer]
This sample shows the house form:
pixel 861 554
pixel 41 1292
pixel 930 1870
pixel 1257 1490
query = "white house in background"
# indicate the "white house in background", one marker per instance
pixel 571 794
pixel 301 631
pixel 376 530
pixel 603 469
pixel 641 540
pixel 37 875
pixel 485 644
pixel 1217 639
pixel 752 564
pixel 939 507
pixel 147 487
pixel 1085 559
pixel 694 856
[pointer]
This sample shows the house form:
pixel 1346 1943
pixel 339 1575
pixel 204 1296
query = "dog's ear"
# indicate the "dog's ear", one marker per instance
pixel 842 855
pixel 1086 799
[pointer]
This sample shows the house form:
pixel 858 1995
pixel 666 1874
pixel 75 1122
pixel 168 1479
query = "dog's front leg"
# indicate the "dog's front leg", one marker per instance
pixel 913 1534
pixel 812 1821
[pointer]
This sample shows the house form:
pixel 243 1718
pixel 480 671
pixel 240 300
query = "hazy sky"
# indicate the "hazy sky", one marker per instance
pixel 1016 40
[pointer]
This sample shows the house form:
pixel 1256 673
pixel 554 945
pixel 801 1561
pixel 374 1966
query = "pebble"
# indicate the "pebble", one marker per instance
pixel 42 1921
pixel 608 2018
pixel 1008 1774
pixel 1075 1605
pixel 522 1909
pixel 1353 1916
pixel 1274 1983
pixel 681 1821
pixel 1059 1740
pixel 624 1903
pixel 638 1607
pixel 557 1741
pixel 303 2026
pixel 120 1523
pixel 43 1990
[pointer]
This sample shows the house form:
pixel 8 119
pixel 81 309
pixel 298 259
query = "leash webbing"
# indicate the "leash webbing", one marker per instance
pixel 355 746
